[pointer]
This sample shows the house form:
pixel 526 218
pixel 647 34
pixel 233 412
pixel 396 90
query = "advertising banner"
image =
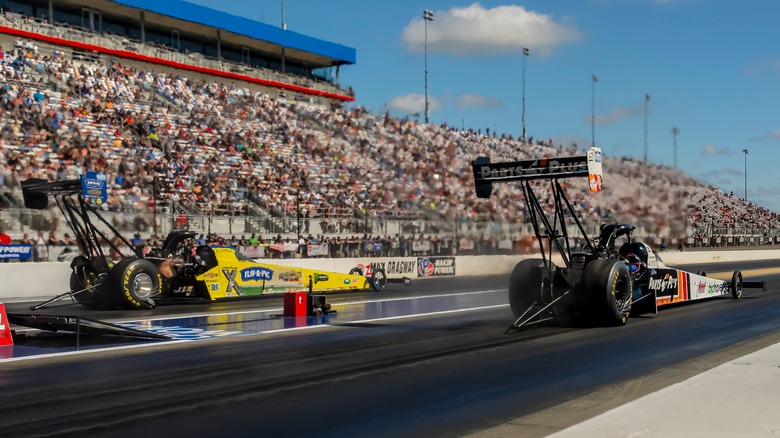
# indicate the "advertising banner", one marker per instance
pixel 435 266
pixel 373 247
pixel 394 268
pixel 466 244
pixel 254 252
pixel 16 252
pixel 421 245
pixel 317 250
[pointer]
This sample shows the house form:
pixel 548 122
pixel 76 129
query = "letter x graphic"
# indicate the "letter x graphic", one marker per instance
pixel 232 285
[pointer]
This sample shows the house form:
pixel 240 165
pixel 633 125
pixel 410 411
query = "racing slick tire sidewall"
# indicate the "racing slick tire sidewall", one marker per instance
pixel 95 298
pixel 602 282
pixel 121 283
pixel 525 285
pixel 356 271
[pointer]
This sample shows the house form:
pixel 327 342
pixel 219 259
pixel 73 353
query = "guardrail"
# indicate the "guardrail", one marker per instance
pixel 28 280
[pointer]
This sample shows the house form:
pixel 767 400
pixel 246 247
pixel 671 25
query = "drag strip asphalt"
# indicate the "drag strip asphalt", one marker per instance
pixel 442 374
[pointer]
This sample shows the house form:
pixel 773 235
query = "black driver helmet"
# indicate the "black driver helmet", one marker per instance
pixel 638 249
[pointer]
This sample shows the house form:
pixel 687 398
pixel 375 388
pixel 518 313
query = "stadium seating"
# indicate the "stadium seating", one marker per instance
pixel 207 148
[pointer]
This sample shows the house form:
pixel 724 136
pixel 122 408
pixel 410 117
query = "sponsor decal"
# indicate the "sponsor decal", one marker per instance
pixel 594 169
pixel 16 252
pixel 230 274
pixel 661 284
pixel 256 273
pixel 320 277
pixel 181 333
pixel 210 276
pixel 93 188
pixel 347 281
pixel 530 168
pixel 290 276
pixel 214 287
pixel 702 287
pixel 435 266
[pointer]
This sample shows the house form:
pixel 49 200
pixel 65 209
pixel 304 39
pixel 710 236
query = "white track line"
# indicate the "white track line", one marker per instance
pixel 311 327
pixel 279 309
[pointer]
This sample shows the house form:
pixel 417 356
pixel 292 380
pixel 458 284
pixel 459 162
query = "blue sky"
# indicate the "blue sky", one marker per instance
pixel 712 68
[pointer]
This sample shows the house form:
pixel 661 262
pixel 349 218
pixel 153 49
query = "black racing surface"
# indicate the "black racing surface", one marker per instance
pixel 428 286
pixel 440 376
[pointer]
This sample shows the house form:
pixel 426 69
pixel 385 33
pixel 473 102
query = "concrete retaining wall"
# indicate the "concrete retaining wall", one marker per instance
pixel 21 280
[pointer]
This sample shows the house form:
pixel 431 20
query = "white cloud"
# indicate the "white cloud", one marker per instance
pixel 729 171
pixel 474 30
pixel 711 150
pixel 413 103
pixel 763 66
pixel 617 115
pixel 471 100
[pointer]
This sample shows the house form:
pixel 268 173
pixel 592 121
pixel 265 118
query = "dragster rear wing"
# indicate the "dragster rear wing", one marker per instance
pixel 36 191
pixel 486 173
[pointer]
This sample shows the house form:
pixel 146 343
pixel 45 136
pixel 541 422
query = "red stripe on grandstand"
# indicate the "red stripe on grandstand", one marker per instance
pixel 153 60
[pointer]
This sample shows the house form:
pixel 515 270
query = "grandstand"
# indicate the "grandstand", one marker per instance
pixel 186 37
pixel 242 154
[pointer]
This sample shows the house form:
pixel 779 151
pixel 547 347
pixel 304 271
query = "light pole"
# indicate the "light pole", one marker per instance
pixel 594 79
pixel 427 16
pixel 675 133
pixel 526 53
pixel 647 105
pixel 746 154
pixel 284 25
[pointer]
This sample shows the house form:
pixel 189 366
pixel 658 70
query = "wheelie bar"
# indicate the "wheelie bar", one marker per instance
pixel 754 284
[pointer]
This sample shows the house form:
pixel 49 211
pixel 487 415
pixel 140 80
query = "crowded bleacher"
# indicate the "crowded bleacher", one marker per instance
pixel 211 147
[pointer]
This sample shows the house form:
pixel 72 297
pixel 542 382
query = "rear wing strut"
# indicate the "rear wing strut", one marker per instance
pixel 553 169
pixel 77 212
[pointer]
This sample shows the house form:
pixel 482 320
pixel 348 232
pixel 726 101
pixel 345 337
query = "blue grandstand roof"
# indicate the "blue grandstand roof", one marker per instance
pixel 186 11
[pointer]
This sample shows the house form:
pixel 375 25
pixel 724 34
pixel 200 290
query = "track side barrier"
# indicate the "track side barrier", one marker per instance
pixel 28 280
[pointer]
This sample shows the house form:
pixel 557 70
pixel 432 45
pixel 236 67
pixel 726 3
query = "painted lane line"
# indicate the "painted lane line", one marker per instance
pixel 440 312
pixel 279 309
pixel 386 318
pixel 97 350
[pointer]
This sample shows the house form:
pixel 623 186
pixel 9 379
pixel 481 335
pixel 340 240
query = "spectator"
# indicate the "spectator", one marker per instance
pixel 40 250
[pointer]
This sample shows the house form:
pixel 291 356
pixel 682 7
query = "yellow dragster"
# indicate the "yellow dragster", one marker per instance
pixel 236 275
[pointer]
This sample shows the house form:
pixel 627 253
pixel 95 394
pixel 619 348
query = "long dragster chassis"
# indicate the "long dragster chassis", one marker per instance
pixel 598 283
pixel 179 271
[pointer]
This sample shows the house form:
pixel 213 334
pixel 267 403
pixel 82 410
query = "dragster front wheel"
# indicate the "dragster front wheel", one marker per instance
pixel 378 279
pixel 736 285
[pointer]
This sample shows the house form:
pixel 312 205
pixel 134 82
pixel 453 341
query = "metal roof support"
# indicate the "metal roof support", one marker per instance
pixel 142 18
pixel 219 44
pixel 51 11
